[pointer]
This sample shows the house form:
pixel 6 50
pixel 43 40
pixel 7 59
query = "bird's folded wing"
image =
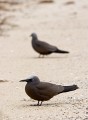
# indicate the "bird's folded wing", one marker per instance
pixel 49 89
pixel 46 46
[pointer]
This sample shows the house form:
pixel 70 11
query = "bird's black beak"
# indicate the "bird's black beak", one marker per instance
pixel 25 80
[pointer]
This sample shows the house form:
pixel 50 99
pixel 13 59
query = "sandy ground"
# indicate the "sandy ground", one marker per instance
pixel 61 24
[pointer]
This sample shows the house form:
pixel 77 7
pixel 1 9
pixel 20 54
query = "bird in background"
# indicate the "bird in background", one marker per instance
pixel 44 48
pixel 43 91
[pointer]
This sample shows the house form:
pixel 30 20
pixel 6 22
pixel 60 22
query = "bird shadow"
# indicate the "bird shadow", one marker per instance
pixel 1 81
pixel 53 57
pixel 46 57
pixel 44 105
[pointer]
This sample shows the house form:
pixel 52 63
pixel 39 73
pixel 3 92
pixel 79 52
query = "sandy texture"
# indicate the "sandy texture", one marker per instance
pixel 62 24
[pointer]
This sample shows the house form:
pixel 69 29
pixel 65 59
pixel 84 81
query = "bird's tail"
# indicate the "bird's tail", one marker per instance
pixel 61 51
pixel 70 88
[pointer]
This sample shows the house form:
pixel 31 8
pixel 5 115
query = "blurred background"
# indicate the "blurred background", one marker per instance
pixel 63 23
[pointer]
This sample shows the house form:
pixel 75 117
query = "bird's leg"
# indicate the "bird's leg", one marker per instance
pixel 38 103
pixel 42 56
pixel 41 103
pixel 39 56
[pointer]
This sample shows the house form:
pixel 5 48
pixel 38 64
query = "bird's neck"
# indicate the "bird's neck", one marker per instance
pixel 34 38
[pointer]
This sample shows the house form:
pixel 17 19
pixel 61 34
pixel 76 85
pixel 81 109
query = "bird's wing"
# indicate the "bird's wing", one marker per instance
pixel 49 89
pixel 46 46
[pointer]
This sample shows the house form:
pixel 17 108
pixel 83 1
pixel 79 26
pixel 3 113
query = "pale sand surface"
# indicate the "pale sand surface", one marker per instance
pixel 64 25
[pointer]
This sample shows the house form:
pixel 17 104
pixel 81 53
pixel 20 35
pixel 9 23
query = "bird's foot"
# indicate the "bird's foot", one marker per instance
pixel 39 104
pixel 41 56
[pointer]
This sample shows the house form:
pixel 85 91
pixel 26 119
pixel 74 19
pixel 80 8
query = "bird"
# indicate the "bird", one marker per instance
pixel 44 48
pixel 43 91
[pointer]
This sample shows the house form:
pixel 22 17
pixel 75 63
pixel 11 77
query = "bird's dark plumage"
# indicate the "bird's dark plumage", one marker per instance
pixel 43 91
pixel 44 48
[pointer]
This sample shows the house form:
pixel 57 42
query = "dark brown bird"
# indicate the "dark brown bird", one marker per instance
pixel 43 91
pixel 44 48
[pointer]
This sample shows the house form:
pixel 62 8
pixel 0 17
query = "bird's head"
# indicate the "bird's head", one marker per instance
pixel 31 79
pixel 34 35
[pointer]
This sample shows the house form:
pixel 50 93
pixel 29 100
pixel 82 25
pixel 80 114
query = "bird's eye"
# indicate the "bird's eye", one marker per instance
pixel 31 80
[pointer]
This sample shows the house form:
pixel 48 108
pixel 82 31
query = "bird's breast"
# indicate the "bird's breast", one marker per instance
pixel 35 93
pixel 32 92
pixel 40 47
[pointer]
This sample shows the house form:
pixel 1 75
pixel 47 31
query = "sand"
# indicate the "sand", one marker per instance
pixel 61 23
